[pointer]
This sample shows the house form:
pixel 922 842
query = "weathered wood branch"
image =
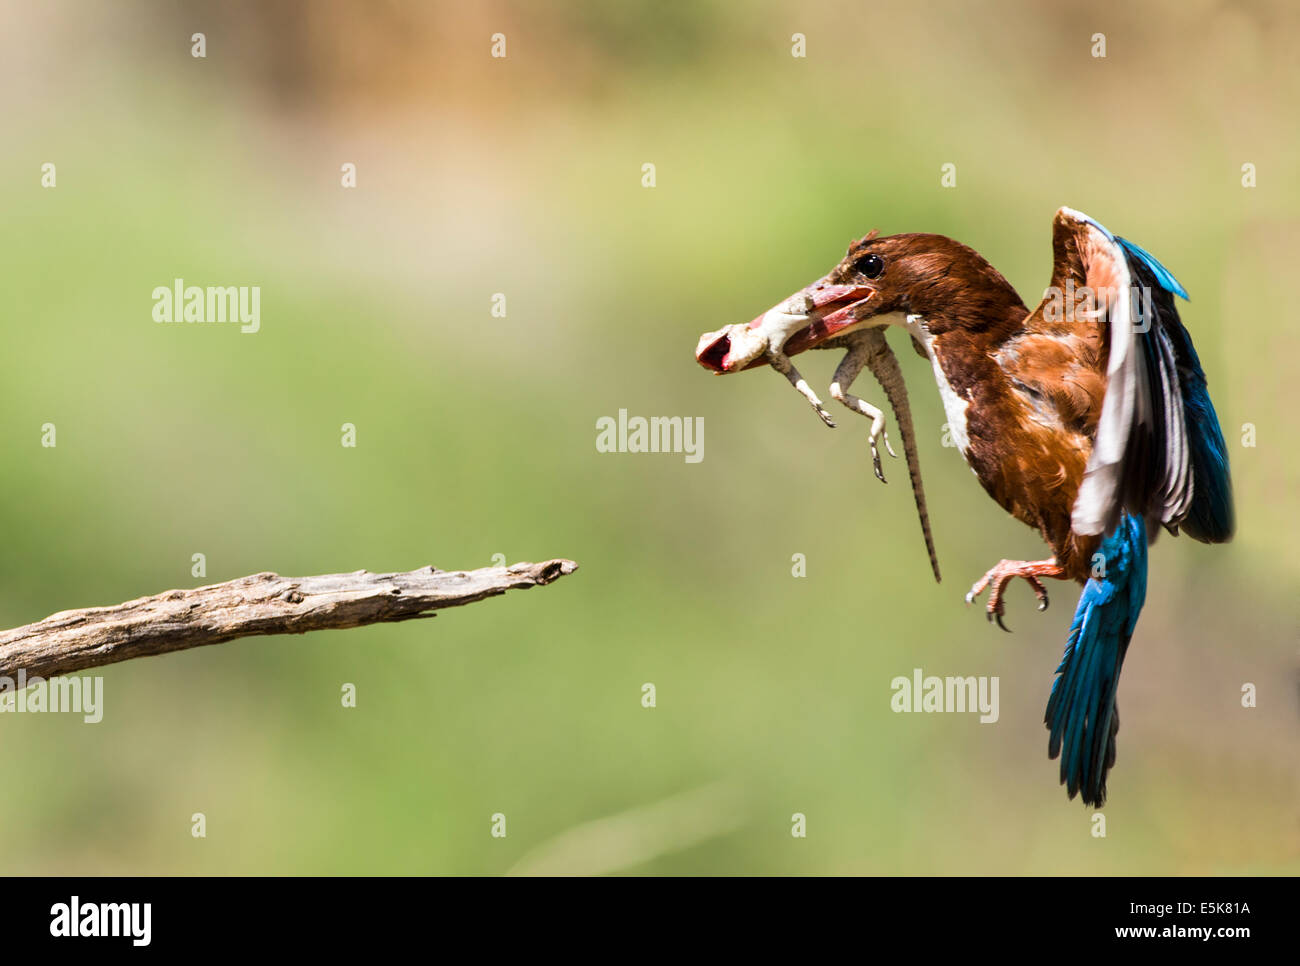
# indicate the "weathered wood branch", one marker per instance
pixel 266 603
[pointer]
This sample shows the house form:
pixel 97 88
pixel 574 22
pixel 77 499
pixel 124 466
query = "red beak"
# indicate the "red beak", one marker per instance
pixel 806 319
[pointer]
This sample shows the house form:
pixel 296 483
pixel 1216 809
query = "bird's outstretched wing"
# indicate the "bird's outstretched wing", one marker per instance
pixel 1157 447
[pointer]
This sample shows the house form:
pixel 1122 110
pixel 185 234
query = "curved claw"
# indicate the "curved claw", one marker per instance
pixel 878 433
pixel 1002 575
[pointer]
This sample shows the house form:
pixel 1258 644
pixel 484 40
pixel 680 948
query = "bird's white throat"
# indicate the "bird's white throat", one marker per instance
pixel 954 407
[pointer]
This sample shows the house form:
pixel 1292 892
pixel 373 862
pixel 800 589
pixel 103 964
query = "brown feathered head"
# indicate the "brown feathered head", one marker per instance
pixel 880 280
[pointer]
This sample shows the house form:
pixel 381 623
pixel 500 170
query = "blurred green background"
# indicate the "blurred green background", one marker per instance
pixel 476 435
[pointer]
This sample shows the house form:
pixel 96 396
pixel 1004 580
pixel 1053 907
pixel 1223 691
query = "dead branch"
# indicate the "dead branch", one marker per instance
pixel 266 603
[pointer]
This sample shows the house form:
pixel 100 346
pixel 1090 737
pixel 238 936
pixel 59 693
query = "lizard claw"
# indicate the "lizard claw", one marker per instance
pixel 878 433
pixel 875 463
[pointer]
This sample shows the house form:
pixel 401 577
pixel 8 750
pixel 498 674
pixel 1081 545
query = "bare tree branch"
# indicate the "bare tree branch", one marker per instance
pixel 267 603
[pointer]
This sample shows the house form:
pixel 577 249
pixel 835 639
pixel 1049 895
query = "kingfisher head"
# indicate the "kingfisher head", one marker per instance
pixel 880 281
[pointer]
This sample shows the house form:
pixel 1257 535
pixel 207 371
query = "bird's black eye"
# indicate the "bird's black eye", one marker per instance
pixel 873 266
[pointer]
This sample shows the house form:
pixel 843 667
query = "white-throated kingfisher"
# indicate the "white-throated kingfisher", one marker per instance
pixel 1088 419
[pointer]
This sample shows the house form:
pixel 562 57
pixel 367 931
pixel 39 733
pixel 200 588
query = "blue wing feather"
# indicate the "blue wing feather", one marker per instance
pixel 1162 274
pixel 1210 517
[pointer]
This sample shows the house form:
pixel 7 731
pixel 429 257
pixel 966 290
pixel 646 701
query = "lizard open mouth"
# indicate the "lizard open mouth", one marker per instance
pixel 805 320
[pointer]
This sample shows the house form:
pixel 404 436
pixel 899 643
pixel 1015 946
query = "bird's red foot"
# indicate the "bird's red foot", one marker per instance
pixel 1001 575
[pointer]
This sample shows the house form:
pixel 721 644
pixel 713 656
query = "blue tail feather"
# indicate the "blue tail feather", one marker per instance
pixel 1081 712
